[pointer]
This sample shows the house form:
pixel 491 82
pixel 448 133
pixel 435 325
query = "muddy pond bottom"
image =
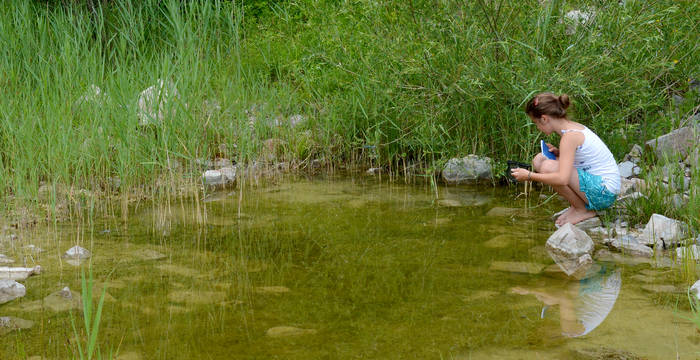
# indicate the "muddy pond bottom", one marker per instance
pixel 338 268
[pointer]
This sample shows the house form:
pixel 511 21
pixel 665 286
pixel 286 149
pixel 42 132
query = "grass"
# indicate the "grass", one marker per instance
pixel 91 316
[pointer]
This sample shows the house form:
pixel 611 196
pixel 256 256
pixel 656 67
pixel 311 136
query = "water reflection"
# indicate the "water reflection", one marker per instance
pixel 583 304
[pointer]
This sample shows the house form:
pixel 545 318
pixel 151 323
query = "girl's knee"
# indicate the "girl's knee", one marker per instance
pixel 537 162
pixel 549 166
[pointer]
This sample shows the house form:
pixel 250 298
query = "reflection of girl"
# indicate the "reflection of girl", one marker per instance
pixel 594 184
pixel 583 305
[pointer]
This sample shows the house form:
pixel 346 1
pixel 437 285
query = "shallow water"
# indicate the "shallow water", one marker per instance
pixel 335 268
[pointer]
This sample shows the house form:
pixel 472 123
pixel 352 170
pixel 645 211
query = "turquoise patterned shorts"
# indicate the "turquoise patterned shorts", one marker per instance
pixel 599 197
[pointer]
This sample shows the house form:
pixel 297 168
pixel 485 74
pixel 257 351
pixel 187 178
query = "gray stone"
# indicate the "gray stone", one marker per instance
pixel 629 198
pixel 18 273
pixel 213 177
pixel 634 155
pixel 155 103
pixel 374 171
pixel 503 211
pixel 569 242
pixel 5 260
pixel 516 267
pixel 679 141
pixel 576 18
pixel 222 162
pixel 589 224
pixel 285 331
pixel 229 174
pixel 296 120
pixel 628 186
pixel 628 169
pixel 469 169
pixel 11 323
pixel 691 252
pixel 576 268
pixel 629 244
pixel 77 253
pixel 10 290
pixel 695 289
pixel 662 231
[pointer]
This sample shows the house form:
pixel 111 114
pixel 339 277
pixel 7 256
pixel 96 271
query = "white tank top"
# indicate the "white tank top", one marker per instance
pixel 594 157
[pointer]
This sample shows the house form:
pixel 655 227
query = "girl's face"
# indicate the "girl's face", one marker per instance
pixel 543 124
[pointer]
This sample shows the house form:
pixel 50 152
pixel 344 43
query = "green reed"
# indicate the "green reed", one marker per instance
pixel 418 82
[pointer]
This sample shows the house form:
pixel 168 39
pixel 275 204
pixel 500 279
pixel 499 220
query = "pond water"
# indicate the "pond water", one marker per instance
pixel 337 268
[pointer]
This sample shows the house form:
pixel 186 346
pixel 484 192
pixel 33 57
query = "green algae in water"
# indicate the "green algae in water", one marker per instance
pixel 342 268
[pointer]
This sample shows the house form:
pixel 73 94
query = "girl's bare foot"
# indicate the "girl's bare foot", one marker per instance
pixel 575 216
pixel 561 220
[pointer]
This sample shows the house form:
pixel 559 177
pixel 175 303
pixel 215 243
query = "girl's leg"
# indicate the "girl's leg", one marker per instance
pixel 577 199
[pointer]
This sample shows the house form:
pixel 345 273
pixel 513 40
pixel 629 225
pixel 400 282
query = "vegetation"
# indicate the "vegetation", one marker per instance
pixel 392 83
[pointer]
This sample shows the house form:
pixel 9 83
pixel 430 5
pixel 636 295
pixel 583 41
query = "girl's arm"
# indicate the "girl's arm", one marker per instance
pixel 567 151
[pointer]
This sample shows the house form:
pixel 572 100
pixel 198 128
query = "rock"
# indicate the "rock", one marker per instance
pixel 148 254
pixel 213 177
pixel 695 289
pixel 129 355
pixel 222 162
pixel 155 103
pixel 374 171
pixel 18 273
pixel 449 203
pixel 660 288
pixel 271 289
pixel 599 353
pixel 576 268
pixel 469 169
pixel 77 253
pixel 501 211
pixel 662 231
pixel 629 198
pixel 589 224
pixel 296 120
pixel 628 169
pixel 517 267
pixel 10 290
pixel 93 95
pixel 33 249
pixel 628 186
pixel 629 244
pixel 634 155
pixel 229 174
pixel 569 242
pixel 500 241
pixel 10 323
pixel 62 300
pixel 5 260
pixel 284 331
pixel 691 253
pixel 576 18
pixel 195 297
pixel 677 142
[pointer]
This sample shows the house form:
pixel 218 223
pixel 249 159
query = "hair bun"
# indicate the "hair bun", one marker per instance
pixel 564 101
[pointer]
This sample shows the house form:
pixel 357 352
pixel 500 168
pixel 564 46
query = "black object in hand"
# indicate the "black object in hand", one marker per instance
pixel 512 164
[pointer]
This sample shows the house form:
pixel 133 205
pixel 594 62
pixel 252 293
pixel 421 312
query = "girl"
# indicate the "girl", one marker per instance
pixel 595 183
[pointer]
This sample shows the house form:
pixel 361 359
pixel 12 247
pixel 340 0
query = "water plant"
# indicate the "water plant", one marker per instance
pixel 92 315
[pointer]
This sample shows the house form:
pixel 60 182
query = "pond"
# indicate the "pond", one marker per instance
pixel 337 268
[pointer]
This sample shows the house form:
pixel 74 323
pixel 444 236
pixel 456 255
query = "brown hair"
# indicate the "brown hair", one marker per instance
pixel 548 104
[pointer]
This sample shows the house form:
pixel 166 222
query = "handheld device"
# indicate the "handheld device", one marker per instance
pixel 545 151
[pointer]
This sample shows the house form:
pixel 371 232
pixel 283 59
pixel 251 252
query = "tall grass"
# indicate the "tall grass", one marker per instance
pixel 416 81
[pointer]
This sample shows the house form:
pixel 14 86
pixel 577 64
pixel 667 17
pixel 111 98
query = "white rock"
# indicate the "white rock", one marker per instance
pixel 5 260
pixel 630 245
pixel 662 231
pixel 10 290
pixel 213 177
pixel 691 252
pixel 18 273
pixel 695 289
pixel 77 252
pixel 229 174
pixel 570 242
pixel 628 169
pixel 153 104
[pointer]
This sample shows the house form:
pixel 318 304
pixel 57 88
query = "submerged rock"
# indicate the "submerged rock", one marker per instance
pixel 516 267
pixel 11 323
pixel 500 241
pixel 18 273
pixel 660 288
pixel 271 289
pixel 77 253
pixel 5 260
pixel 662 231
pixel 502 211
pixel 631 245
pixel 471 168
pixel 10 290
pixel 196 297
pixel 148 254
pixel 284 331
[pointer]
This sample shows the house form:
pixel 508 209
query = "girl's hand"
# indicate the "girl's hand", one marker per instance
pixel 520 174
pixel 553 149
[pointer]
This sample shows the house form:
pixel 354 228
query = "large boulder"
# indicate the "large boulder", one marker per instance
pixel 469 169
pixel 679 141
pixel 156 103
pixel 571 248
pixel 10 290
pixel 661 231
